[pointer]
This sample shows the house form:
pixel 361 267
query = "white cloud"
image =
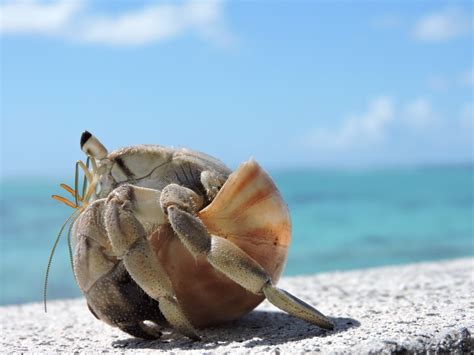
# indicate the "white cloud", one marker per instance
pixel 419 114
pixel 153 23
pixel 446 24
pixel 356 130
pixel 377 125
pixel 37 18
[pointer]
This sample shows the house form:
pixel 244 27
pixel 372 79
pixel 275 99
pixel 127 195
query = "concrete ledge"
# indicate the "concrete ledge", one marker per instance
pixel 425 307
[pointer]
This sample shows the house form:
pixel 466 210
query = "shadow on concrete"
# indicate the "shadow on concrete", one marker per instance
pixel 258 328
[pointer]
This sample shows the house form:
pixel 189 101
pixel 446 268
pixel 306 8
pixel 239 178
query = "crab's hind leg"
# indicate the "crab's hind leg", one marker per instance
pixel 229 259
pixel 126 206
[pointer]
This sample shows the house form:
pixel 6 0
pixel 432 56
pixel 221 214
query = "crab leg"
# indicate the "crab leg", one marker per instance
pixel 103 279
pixel 228 258
pixel 85 169
pixel 128 239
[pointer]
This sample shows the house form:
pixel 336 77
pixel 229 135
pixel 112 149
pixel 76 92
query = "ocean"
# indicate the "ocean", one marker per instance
pixel 342 219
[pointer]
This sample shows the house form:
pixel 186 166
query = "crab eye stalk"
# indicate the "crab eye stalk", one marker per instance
pixel 92 146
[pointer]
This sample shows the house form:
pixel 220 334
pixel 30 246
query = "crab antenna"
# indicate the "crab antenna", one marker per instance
pixel 68 189
pixel 71 191
pixel 85 169
pixel 84 180
pixel 64 200
pixel 71 260
pixel 76 178
pixel 90 191
pixel 94 166
pixel 48 267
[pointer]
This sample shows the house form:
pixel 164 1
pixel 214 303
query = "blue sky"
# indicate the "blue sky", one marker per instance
pixel 292 84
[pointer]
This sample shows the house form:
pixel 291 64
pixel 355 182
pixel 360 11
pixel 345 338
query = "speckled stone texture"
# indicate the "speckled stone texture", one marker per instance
pixel 425 307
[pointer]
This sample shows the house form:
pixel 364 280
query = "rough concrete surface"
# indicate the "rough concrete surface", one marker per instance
pixel 425 307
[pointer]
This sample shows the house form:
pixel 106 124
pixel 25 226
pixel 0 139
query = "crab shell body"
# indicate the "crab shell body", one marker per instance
pixel 243 207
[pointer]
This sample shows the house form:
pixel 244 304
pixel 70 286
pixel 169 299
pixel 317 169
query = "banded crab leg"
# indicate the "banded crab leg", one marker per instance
pixel 178 203
pixel 127 209
pixel 237 265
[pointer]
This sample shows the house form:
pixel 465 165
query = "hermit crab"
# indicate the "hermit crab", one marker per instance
pixel 165 237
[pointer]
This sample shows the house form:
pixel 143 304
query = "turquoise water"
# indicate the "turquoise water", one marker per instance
pixel 341 220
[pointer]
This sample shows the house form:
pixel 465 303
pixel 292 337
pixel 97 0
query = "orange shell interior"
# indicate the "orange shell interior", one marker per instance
pixel 250 212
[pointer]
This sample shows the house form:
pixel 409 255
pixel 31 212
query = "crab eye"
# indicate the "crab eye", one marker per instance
pixel 91 146
pixel 85 137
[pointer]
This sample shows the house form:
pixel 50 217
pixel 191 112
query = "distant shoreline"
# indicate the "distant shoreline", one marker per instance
pixel 8 178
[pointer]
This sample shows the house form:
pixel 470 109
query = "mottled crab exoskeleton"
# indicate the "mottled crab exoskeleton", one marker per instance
pixel 173 238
